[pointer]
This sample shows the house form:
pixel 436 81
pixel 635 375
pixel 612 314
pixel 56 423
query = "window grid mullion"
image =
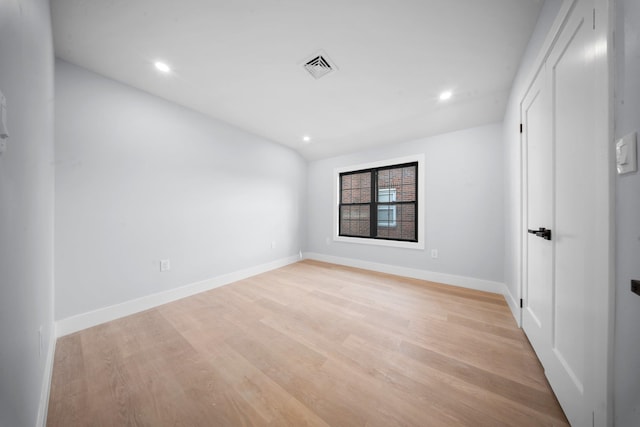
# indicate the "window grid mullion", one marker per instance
pixel 373 228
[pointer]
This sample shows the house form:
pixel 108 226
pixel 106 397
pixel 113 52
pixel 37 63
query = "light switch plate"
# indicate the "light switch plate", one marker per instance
pixel 635 286
pixel 626 154
pixel 4 132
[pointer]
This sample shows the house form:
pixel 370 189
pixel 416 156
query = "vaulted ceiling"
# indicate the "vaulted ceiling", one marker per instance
pixel 242 61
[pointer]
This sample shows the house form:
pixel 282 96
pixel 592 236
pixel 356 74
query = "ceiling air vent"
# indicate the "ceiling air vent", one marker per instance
pixel 319 65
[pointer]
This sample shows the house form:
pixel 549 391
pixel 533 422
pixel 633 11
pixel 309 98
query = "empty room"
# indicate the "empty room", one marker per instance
pixel 338 213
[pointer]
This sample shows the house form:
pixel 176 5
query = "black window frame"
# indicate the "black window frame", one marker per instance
pixel 374 203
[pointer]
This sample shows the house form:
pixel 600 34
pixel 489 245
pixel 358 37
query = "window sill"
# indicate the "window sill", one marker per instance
pixel 379 242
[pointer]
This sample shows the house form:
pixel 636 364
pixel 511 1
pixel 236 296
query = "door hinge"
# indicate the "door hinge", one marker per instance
pixel 520 127
pixel 521 303
pixel 594 18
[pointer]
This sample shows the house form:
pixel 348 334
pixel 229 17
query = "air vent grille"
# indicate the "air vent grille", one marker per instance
pixel 319 66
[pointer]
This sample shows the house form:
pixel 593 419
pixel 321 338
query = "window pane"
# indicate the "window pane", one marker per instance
pixel 387 216
pixel 355 221
pixel 386 195
pixel 364 227
pixel 406 218
pixel 346 196
pixel 400 181
pixel 409 175
pixel 346 182
pixel 407 192
pixel 397 222
pixel 383 179
pixel 361 195
pixel 356 188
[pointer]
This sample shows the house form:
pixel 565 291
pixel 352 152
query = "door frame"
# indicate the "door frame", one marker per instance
pixel 602 321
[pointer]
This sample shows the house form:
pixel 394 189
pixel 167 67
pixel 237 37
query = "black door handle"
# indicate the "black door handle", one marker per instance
pixel 541 232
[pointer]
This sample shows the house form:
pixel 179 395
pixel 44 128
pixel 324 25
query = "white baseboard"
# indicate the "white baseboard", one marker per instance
pixel 447 279
pixel 86 320
pixel 43 408
pixel 514 305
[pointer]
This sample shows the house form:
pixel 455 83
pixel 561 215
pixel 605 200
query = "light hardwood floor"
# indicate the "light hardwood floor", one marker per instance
pixel 308 344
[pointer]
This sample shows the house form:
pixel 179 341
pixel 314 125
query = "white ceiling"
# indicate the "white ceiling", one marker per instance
pixel 241 61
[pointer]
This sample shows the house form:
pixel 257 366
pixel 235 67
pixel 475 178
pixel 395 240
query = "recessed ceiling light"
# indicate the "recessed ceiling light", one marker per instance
pixel 446 95
pixel 161 66
pixel 306 138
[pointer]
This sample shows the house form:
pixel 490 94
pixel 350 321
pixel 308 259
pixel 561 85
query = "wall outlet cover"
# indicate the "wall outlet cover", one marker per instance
pixel 626 154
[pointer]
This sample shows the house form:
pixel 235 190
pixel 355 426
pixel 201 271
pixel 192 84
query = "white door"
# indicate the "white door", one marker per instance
pixel 561 138
pixel 539 185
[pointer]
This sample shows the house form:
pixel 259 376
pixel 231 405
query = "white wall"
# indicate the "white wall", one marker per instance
pixel 464 205
pixel 627 319
pixel 512 151
pixel 26 211
pixel 139 179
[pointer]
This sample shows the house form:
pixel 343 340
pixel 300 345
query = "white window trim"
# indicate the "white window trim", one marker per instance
pixel 379 242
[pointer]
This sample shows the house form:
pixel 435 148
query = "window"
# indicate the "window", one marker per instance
pixel 379 203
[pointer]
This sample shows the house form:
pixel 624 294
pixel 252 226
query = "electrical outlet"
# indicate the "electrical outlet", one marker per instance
pixel 434 253
pixel 165 265
pixel 635 286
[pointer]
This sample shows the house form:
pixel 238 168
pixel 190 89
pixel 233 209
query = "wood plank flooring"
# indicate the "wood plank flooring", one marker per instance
pixel 310 344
